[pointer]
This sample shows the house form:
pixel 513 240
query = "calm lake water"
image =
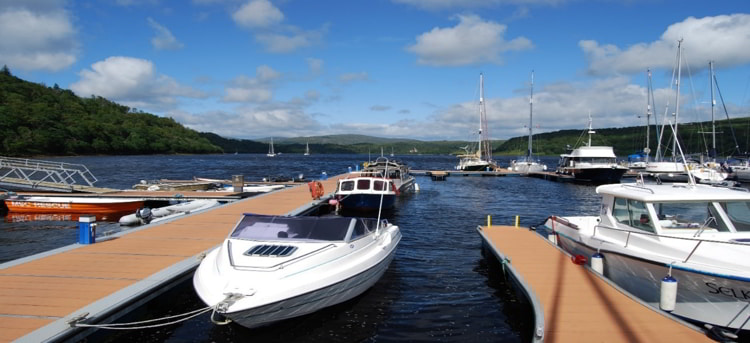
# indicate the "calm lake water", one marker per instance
pixel 438 288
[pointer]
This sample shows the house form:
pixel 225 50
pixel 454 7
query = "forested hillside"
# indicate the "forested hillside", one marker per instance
pixel 40 120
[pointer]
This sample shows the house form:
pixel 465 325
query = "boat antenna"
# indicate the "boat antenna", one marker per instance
pixel 380 208
pixel 531 114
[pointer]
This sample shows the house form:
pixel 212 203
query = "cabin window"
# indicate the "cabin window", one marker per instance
pixel 363 184
pixel 632 213
pixel 739 213
pixel 689 215
pixel 347 186
pixel 378 185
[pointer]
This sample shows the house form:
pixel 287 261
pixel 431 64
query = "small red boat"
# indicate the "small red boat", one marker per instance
pixel 79 205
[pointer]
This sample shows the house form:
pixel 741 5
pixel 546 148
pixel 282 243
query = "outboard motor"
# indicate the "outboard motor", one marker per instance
pixel 144 214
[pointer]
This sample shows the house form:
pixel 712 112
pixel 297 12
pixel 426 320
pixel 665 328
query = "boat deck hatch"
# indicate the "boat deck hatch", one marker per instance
pixel 271 250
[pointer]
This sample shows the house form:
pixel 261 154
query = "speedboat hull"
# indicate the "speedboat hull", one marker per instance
pixel 704 297
pixel 313 301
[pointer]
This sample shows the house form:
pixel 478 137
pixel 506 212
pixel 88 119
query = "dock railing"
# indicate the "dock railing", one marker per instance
pixel 34 172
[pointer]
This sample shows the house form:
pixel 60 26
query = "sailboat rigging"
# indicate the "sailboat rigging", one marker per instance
pixel 527 164
pixel 270 149
pixel 307 148
pixel 482 158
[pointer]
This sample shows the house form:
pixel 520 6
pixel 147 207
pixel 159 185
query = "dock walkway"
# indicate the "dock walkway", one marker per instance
pixel 577 304
pixel 41 293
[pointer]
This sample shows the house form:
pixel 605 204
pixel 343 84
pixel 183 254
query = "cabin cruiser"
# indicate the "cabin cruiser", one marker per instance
pixel 697 234
pixel 591 164
pixel 272 268
pixel 366 191
pixel 394 170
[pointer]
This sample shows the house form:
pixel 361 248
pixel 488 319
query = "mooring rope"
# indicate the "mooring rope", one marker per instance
pixel 130 326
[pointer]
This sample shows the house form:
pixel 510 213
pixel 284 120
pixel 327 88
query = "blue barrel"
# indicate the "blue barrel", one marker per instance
pixel 86 229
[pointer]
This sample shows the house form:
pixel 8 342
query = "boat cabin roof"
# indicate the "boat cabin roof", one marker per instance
pixel 592 151
pixel 677 192
pixel 301 228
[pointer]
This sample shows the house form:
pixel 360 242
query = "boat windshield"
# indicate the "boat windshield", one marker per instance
pixel 738 213
pixel 690 215
pixel 269 228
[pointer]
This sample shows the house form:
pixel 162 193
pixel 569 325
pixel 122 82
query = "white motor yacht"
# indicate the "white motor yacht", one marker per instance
pixel 274 268
pixel 699 234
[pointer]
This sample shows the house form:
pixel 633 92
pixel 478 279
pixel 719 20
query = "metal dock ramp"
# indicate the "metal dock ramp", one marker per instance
pixel 572 303
pixel 38 175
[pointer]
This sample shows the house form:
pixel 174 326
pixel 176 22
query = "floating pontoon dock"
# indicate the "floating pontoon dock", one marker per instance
pixel 40 294
pixel 574 304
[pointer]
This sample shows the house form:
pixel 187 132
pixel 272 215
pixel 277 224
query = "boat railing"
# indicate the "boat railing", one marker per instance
pixel 698 241
pixel 37 171
pixel 276 266
pixel 638 187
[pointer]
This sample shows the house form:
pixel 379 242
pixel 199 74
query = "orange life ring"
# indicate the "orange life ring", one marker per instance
pixel 316 189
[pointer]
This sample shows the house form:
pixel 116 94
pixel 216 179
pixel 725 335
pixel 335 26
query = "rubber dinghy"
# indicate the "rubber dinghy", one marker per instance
pixel 147 215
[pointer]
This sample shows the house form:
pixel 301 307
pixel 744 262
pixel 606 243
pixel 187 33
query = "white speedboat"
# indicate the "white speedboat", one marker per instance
pixel 274 268
pixel 147 215
pixel 699 234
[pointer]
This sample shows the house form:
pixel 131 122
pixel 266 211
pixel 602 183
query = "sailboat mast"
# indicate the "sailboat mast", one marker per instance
pixel 649 97
pixel 531 113
pixel 677 100
pixel 485 146
pixel 591 131
pixel 712 153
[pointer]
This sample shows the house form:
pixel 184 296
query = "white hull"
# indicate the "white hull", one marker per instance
pixel 313 301
pixel 527 167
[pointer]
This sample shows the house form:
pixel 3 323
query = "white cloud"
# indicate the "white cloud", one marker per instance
pixel 472 40
pixel 257 90
pixel 379 108
pixel 258 14
pixel 37 35
pixel 164 39
pixel 282 119
pixel 288 42
pixel 133 82
pixel 315 65
pixel 351 77
pixel 723 39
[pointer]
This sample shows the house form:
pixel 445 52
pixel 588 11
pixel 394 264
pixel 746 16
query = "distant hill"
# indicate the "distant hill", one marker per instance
pixel 40 120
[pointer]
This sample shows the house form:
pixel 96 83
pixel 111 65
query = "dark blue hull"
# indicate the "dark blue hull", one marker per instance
pixel 366 202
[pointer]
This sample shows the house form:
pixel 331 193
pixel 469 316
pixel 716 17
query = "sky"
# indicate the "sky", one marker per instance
pixel 389 68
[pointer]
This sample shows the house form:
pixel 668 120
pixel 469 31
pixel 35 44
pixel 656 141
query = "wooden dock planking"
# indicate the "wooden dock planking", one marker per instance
pixel 578 305
pixel 45 291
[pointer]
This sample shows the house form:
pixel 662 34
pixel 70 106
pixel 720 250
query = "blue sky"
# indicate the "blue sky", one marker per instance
pixel 388 68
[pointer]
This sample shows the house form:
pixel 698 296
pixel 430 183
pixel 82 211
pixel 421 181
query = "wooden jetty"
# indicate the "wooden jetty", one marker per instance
pixel 573 303
pixel 40 294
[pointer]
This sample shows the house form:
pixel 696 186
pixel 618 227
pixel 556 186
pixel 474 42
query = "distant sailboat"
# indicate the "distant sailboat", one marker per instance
pixel 527 164
pixel 270 149
pixel 391 151
pixel 307 149
pixel 481 159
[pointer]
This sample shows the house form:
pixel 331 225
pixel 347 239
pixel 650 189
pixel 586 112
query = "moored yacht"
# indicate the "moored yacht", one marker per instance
pixel 481 159
pixel 697 234
pixel 591 164
pixel 274 268
pixel 528 164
